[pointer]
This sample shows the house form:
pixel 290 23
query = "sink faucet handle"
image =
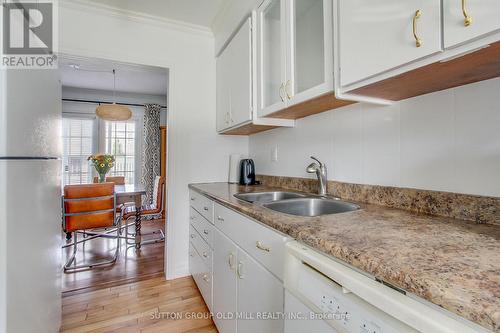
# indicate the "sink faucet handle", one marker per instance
pixel 314 158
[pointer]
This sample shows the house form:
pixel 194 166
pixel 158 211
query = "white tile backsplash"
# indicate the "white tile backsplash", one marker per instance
pixel 447 141
pixel 427 142
pixel 381 146
pixel 477 148
pixel 346 130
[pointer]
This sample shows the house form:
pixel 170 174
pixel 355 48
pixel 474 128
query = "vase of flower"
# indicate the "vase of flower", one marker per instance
pixel 102 164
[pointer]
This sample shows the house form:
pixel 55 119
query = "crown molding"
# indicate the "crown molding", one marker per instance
pixel 92 7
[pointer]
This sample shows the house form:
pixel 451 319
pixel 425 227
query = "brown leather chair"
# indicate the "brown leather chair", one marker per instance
pixel 90 206
pixel 152 210
pixel 118 180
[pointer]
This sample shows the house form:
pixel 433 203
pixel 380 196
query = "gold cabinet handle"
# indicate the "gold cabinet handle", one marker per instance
pixel 230 261
pixel 467 18
pixel 239 271
pixel 287 90
pixel 259 245
pixel 282 88
pixel 418 41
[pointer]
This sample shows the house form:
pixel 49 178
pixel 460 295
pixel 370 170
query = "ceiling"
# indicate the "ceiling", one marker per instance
pixel 98 74
pixel 199 12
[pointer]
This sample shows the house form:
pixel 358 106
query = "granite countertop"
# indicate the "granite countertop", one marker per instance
pixel 452 263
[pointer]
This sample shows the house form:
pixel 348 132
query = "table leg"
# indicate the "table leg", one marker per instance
pixel 138 227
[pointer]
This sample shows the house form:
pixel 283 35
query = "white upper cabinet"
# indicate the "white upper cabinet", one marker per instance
pixel 468 19
pixel 376 36
pixel 234 80
pixel 271 56
pixel 310 64
pixel 223 93
pixel 294 52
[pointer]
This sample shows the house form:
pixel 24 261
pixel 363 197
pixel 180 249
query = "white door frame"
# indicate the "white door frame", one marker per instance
pixel 169 257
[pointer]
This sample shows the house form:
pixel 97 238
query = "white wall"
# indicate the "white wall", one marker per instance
pixel 447 141
pixel 195 152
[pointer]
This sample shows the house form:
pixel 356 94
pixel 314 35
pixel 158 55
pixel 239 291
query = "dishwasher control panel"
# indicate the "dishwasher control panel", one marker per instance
pixel 342 309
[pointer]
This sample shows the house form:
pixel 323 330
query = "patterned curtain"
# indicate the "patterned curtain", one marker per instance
pixel 151 149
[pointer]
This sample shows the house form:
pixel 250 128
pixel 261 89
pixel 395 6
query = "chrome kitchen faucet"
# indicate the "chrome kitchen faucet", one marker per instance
pixel 321 172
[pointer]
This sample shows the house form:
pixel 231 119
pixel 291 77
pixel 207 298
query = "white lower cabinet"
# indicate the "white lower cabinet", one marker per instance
pixel 260 297
pixel 225 283
pixel 247 294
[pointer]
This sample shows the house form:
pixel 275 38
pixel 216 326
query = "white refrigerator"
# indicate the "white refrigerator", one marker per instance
pixel 30 201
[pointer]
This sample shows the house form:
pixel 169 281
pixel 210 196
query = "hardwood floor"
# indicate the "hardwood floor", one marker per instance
pixel 131 265
pixel 143 306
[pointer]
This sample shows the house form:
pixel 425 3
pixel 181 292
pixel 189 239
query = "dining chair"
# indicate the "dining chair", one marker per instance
pixel 118 180
pixel 86 207
pixel 152 210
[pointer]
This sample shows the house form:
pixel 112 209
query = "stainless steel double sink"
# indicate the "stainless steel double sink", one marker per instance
pixel 297 203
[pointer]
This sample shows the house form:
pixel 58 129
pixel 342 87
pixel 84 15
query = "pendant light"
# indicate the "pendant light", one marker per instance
pixel 113 112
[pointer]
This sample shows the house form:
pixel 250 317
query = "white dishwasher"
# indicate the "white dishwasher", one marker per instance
pixel 323 295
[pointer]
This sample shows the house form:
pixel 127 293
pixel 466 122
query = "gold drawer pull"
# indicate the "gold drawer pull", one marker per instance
pixel 230 261
pixel 287 89
pixel 262 247
pixel 467 18
pixel 239 271
pixel 282 89
pixel 418 41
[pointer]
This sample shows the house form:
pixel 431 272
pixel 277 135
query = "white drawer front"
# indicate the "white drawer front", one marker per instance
pixel 264 244
pixel 202 204
pixel 202 247
pixel 202 275
pixel 204 228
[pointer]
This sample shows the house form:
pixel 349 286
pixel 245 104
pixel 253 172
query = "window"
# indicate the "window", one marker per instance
pixel 78 142
pixel 85 135
pixel 120 141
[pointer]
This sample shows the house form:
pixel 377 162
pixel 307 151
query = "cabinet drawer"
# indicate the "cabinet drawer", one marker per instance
pixel 204 228
pixel 201 247
pixel 202 204
pixel 202 275
pixel 262 243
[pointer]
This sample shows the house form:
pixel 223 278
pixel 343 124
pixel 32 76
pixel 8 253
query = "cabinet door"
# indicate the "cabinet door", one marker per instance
pixel 310 44
pixel 465 20
pixel 376 36
pixel 224 282
pixel 223 92
pixel 240 74
pixel 271 56
pixel 259 292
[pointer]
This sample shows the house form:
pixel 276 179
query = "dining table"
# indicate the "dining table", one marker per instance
pixel 132 193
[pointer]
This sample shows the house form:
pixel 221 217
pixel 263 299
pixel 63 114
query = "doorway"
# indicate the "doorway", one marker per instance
pixel 87 83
